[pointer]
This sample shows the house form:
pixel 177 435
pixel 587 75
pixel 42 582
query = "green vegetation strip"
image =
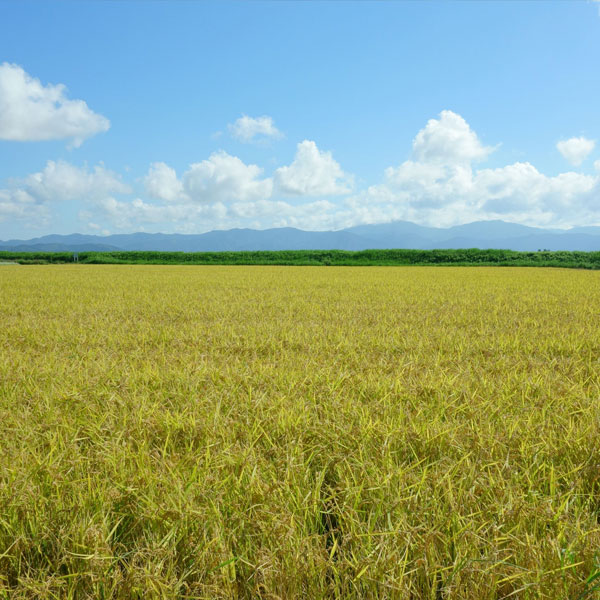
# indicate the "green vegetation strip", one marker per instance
pixel 473 256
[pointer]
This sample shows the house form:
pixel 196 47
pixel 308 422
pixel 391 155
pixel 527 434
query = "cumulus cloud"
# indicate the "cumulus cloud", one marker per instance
pixel 225 178
pixel 223 191
pixel 161 182
pixel 515 189
pixel 31 111
pixel 18 205
pixel 442 183
pixel 439 185
pixel 220 178
pixel 30 199
pixel 576 149
pixel 520 189
pixel 61 180
pixel 312 173
pixel 214 193
pixel 449 141
pixel 247 129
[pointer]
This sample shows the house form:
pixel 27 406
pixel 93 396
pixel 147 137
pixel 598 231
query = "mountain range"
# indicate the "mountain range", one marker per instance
pixel 397 234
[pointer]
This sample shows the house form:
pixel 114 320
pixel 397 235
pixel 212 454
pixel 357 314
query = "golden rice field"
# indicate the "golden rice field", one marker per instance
pixel 297 432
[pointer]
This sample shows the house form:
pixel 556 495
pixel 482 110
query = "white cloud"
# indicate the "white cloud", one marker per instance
pixel 220 178
pixel 520 189
pixel 311 216
pixel 259 209
pixel 224 192
pixel 448 141
pixel 161 182
pixel 18 205
pixel 440 186
pixel 429 184
pixel 191 218
pixel 597 163
pixel 29 199
pixel 61 180
pixel 246 128
pixel 30 111
pixel 576 149
pixel 131 214
pixel 312 173
pixel 225 178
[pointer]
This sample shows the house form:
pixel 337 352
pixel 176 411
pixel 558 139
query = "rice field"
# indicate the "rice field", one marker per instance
pixel 186 432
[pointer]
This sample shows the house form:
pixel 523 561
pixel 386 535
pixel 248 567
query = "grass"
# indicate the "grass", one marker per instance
pixel 271 432
pixel 394 257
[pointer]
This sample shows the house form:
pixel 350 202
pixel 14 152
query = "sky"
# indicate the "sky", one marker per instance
pixel 189 116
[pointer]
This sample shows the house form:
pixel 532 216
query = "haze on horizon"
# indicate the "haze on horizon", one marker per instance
pixel 193 116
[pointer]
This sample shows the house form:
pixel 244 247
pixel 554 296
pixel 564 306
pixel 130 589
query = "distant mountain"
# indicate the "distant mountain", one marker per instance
pixel 483 230
pixel 491 230
pixel 91 247
pixel 397 234
pixel 592 230
pixel 286 238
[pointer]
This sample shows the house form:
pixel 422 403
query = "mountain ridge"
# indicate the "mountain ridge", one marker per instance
pixel 396 234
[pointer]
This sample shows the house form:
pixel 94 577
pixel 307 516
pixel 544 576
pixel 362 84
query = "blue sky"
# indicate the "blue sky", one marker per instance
pixel 191 116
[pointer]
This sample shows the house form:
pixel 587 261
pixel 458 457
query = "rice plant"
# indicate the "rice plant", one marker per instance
pixel 292 432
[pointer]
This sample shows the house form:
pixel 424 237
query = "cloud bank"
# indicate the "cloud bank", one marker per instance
pixel 33 198
pixel 442 182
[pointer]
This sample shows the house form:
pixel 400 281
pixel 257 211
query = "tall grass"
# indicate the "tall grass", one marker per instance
pixel 226 432
pixel 392 257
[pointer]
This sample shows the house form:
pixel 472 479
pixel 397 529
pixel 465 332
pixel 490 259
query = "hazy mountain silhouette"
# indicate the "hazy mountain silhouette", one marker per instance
pixel 398 234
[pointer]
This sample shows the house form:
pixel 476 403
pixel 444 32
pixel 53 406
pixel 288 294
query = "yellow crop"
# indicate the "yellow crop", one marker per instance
pixel 297 432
